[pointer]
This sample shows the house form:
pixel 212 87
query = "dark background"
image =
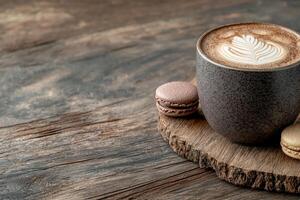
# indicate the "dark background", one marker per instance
pixel 77 79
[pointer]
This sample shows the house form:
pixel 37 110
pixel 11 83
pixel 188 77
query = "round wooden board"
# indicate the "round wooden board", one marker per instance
pixel 256 167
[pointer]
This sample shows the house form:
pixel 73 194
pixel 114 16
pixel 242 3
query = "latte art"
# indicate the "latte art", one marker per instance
pixel 251 46
pixel 249 50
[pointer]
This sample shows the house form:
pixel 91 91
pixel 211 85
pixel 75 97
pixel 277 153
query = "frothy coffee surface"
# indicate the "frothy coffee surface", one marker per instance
pixel 252 45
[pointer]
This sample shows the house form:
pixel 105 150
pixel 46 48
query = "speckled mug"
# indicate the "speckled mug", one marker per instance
pixel 245 105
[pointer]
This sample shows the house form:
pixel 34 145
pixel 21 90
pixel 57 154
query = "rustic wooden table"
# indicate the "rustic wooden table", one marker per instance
pixel 78 119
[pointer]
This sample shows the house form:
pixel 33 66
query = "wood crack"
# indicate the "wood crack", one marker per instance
pixel 150 185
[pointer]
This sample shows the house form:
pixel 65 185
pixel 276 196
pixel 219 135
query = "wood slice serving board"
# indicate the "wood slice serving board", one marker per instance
pixel 255 167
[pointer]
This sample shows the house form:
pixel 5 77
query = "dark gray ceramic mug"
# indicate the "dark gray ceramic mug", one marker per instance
pixel 247 106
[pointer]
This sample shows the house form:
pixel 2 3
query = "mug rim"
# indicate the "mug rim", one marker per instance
pixel 204 56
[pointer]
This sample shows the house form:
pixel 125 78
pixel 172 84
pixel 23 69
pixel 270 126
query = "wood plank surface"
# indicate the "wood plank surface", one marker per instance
pixel 78 119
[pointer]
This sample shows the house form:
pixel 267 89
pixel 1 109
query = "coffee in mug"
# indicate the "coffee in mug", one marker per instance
pixel 252 46
pixel 248 78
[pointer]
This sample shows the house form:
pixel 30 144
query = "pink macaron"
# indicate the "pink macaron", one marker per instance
pixel 177 99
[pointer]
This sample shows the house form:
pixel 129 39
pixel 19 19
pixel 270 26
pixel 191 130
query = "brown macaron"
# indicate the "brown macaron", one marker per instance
pixel 290 141
pixel 177 99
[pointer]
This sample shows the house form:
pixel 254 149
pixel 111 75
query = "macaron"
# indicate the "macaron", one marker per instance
pixel 177 99
pixel 290 141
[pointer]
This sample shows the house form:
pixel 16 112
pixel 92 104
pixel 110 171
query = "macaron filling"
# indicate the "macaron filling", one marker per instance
pixel 176 105
pixel 177 109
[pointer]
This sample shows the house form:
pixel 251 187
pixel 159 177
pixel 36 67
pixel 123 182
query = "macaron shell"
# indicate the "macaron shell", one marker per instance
pixel 177 92
pixel 290 137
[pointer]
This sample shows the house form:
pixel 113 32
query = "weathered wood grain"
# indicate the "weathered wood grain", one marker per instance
pixel 266 168
pixel 76 92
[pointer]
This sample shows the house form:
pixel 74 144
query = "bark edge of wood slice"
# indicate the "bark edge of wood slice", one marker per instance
pixel 265 168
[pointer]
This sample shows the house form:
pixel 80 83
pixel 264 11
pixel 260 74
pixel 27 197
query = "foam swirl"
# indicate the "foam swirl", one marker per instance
pixel 249 50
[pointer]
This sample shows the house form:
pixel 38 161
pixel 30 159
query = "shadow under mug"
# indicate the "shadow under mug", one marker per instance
pixel 247 106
